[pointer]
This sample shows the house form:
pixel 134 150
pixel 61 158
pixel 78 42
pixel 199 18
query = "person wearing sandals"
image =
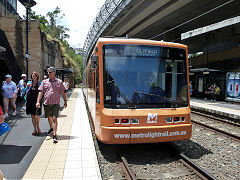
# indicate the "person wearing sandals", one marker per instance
pixel 31 97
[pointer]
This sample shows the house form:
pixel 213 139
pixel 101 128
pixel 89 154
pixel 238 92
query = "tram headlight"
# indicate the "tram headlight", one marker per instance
pixel 176 119
pixel 169 120
pixel 117 121
pixel 134 121
pixel 124 121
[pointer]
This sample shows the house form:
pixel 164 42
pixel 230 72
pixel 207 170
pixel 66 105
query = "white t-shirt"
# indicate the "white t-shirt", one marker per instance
pixel 66 85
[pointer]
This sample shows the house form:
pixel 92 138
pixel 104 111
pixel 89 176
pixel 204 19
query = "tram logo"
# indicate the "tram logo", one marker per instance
pixel 152 118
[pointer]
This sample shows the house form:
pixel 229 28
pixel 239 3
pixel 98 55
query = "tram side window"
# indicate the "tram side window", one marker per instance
pixel 97 87
pixel 94 76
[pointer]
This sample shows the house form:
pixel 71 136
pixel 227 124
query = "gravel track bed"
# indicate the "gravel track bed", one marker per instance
pixel 215 153
pixel 157 161
pixel 107 158
pixel 219 125
pixel 144 159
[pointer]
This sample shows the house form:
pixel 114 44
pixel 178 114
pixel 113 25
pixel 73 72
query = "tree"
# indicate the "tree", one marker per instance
pixel 50 25
pixel 78 60
pixel 54 29
pixel 41 19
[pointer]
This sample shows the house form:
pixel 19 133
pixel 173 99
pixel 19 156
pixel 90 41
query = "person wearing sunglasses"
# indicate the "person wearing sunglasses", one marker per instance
pixel 50 90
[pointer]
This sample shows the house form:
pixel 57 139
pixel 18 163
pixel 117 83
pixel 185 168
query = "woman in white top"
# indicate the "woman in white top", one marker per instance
pixel 9 90
pixel 66 84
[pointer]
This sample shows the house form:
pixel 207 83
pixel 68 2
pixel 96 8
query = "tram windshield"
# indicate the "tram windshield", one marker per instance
pixel 141 76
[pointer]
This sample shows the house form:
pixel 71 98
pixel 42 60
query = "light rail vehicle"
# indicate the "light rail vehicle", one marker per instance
pixel 137 91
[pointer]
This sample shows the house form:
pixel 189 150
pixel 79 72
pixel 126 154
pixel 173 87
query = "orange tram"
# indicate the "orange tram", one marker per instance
pixel 137 91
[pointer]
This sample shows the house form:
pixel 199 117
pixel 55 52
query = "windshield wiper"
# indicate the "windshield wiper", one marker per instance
pixel 130 103
pixel 148 94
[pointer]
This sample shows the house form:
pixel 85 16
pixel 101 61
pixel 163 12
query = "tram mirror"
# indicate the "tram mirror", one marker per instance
pixel 94 58
pixel 94 61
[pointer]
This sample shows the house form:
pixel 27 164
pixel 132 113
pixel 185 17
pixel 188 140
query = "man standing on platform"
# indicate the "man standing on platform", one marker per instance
pixel 51 89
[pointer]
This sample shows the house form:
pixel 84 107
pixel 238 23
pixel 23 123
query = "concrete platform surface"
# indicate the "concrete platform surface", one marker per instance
pixel 223 108
pixel 74 156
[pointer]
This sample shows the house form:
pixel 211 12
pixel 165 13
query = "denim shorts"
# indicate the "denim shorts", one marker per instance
pixel 52 110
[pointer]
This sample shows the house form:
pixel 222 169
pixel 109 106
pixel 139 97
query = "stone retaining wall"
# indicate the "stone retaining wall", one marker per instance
pixel 42 52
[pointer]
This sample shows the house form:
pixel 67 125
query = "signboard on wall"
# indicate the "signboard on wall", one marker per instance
pixel 232 82
pixel 200 84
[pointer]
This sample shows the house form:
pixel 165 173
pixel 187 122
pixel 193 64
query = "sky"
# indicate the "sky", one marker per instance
pixel 79 15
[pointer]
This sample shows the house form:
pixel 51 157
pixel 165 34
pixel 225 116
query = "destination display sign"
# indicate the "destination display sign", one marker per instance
pixel 148 51
pixel 144 51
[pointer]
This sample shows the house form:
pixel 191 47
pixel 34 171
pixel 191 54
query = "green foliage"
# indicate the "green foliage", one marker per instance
pixel 41 19
pixel 78 60
pixel 50 25
pixel 79 70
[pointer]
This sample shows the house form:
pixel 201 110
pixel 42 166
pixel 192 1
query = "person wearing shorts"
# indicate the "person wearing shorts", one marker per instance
pixel 52 110
pixel 9 90
pixel 50 90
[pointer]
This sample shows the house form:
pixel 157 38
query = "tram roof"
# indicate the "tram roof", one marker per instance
pixel 138 41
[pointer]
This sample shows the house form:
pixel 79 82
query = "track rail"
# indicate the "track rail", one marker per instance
pixel 233 136
pixel 215 118
pixel 126 169
pixel 197 169
pixel 200 172
pixel 219 131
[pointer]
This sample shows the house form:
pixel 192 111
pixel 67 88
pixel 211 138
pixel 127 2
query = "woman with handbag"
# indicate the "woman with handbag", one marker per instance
pixel 31 97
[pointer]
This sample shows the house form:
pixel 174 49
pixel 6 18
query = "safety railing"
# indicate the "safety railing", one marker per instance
pixel 108 12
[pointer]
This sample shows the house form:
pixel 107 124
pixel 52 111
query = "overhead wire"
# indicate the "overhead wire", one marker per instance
pixel 224 4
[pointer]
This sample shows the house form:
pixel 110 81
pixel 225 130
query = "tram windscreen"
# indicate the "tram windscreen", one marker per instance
pixel 143 76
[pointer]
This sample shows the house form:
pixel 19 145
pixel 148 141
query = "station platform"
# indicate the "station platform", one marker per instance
pixel 222 108
pixel 74 156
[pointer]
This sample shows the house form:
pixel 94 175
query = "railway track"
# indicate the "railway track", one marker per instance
pixel 215 118
pixel 218 125
pixel 201 173
pixel 129 174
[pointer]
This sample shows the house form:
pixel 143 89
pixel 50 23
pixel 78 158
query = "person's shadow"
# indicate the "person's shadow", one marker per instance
pixel 60 137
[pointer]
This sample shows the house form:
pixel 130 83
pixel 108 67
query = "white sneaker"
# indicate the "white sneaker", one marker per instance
pixel 5 115
pixel 14 113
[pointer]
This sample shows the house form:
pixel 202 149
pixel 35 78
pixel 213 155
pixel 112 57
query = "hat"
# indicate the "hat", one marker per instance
pixel 23 75
pixel 8 76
